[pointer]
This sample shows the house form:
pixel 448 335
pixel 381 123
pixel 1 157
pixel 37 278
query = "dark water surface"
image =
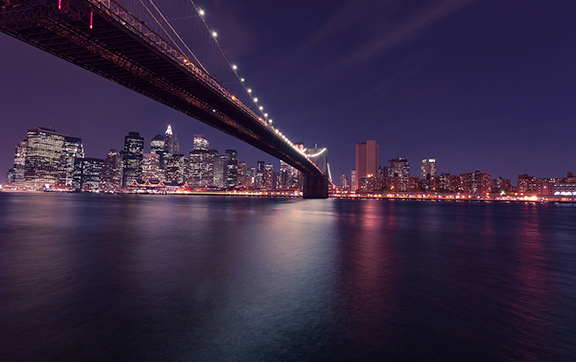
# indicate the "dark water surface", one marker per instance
pixel 180 278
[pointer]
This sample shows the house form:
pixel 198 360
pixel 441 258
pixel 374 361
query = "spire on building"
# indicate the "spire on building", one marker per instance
pixel 169 130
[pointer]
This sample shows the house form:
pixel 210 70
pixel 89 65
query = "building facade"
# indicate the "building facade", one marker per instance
pixel 367 160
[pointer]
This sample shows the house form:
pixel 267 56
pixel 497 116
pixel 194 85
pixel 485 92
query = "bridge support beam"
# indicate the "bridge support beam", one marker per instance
pixel 315 187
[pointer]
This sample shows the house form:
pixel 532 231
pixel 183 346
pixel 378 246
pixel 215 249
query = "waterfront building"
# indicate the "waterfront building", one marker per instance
pixel 151 167
pixel 111 173
pixel 545 186
pixel 221 170
pixel 44 150
pixel 564 189
pixel 344 184
pixel 86 174
pixel 398 167
pixel 201 168
pixel 476 182
pixel 16 173
pixel 132 158
pixel 428 178
pixel 402 183
pixel 367 160
pixel 527 184
pixel 175 170
pixel 501 184
pixel 73 148
pixel 428 169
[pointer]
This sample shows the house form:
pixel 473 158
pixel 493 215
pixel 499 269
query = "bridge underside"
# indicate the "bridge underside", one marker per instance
pixel 91 36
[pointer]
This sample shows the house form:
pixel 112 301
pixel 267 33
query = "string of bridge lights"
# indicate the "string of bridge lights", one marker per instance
pixel 234 68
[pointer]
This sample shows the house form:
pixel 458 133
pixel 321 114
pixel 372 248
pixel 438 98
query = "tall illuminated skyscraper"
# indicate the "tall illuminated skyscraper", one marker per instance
pixel 157 144
pixel 16 174
pixel 86 175
pixel 44 152
pixel 367 161
pixel 169 141
pixel 151 167
pixel 73 148
pixel 132 158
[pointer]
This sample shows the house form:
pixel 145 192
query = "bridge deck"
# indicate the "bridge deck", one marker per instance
pixel 105 39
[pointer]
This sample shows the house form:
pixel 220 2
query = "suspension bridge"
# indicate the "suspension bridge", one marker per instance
pixel 151 58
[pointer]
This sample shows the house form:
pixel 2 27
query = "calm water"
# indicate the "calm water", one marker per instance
pixel 176 278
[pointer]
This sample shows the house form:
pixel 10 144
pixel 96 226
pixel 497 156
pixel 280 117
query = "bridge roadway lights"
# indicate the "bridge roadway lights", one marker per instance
pixel 315 187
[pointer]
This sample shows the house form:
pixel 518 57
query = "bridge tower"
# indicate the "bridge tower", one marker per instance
pixel 317 186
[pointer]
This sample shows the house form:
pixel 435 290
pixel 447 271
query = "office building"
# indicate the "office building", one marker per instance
pixel 201 143
pixel 44 153
pixel 398 167
pixel 73 148
pixel 367 160
pixel 16 173
pixel 175 170
pixel 112 170
pixel 86 174
pixel 151 167
pixel 132 158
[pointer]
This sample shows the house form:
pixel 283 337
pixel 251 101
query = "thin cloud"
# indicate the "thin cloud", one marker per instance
pixel 386 24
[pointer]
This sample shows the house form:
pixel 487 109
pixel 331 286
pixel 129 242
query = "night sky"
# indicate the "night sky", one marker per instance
pixel 484 85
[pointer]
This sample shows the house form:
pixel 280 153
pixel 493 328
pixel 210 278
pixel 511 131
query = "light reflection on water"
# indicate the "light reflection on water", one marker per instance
pixel 111 277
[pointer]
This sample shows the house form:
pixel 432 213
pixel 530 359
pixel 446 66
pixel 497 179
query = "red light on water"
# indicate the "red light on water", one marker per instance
pixel 91 18
pixel 59 4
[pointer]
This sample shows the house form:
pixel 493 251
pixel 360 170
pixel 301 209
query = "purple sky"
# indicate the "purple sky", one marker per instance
pixel 476 84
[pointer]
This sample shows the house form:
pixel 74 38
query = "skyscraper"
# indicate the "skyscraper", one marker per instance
pixel 132 158
pixel 111 173
pixel 221 170
pixel 157 144
pixel 398 167
pixel 44 150
pixel 201 143
pixel 169 141
pixel 86 175
pixel 428 180
pixel 231 169
pixel 201 164
pixel 73 148
pixel 151 167
pixel 16 174
pixel 175 170
pixel 428 169
pixel 270 179
pixel 367 161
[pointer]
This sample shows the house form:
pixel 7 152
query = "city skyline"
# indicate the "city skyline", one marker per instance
pixel 468 83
